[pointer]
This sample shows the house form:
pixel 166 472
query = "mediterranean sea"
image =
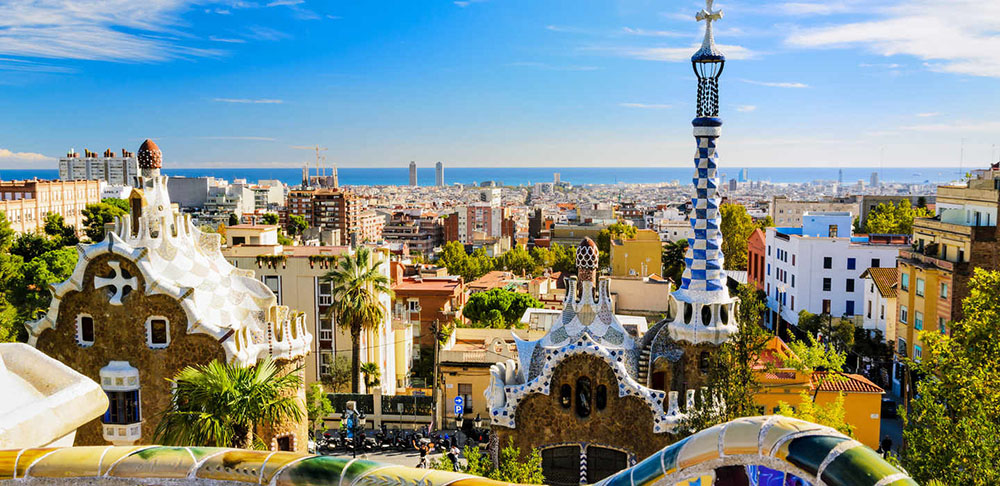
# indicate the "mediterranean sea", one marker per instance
pixel 514 176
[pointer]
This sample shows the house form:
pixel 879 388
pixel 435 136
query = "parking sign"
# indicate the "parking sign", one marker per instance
pixel 459 409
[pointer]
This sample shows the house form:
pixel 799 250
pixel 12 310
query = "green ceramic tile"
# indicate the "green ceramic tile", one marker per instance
pixel 809 452
pixel 155 462
pixel 315 470
pixel 859 466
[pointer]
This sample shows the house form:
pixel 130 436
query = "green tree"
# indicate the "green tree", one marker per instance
pixel 563 258
pixel 61 233
pixel 736 228
pixel 888 218
pixel 519 261
pixel 514 468
pixel 32 245
pixel 673 260
pixel 318 405
pixel 617 231
pixel 339 379
pixel 832 414
pixel 829 330
pixel 733 372
pixel 234 219
pixel 372 375
pixel 297 224
pixel 270 218
pixel 96 215
pixel 544 258
pixel 28 290
pixel 220 404
pixel 813 356
pixel 498 308
pixel 357 285
pixel 10 269
pixel 952 430
pixel 469 267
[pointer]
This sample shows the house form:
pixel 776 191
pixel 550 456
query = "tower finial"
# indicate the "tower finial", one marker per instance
pixel 709 16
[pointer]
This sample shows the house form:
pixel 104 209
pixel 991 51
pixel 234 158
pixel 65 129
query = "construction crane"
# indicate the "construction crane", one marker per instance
pixel 318 149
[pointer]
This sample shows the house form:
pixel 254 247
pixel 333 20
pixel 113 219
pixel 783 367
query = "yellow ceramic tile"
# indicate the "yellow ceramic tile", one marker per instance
pixel 276 462
pixel 28 457
pixel 70 462
pixel 115 453
pixel 782 427
pixel 234 465
pixel 155 462
pixel 8 459
pixel 477 482
pixel 740 437
pixel 701 447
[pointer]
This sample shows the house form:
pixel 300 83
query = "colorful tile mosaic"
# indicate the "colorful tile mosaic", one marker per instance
pixel 769 451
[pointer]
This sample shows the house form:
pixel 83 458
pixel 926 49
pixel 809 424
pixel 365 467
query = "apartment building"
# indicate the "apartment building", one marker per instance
pixel 27 203
pixel 115 169
pixel 817 267
pixel 421 234
pixel 640 256
pixel 336 209
pixel 295 275
pixel 788 213
pixel 880 302
pixel 423 299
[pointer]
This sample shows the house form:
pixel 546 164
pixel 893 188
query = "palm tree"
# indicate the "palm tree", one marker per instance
pixel 219 404
pixel 373 375
pixel 357 284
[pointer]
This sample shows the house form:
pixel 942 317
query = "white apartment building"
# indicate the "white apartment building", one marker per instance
pixel 788 213
pixel 818 267
pixel 114 169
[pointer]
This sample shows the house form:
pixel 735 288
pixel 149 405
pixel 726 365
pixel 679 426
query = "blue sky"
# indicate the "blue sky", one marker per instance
pixel 491 83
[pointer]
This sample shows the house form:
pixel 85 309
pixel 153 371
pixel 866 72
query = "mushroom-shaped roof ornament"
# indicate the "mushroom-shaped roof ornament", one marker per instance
pixel 149 155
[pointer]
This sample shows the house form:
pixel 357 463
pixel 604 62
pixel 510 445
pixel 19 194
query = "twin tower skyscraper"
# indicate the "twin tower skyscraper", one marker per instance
pixel 438 174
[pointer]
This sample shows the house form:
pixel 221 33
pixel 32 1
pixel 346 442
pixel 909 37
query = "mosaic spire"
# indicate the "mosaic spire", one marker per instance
pixel 702 310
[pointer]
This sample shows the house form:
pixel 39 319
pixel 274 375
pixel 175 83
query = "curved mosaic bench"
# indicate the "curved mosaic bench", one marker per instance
pixel 818 455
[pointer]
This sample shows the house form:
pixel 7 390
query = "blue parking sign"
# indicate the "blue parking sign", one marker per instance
pixel 459 409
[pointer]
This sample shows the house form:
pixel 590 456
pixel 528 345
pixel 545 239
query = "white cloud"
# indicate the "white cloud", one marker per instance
pixel 24 65
pixel 261 139
pixel 550 67
pixel 958 36
pixel 107 30
pixel 772 84
pixel 816 8
pixel 746 108
pixel 648 106
pixel 674 54
pixel 226 40
pixel 927 115
pixel 466 3
pixel 248 100
pixel 957 127
pixel 652 33
pixel 8 155
pixel 889 65
pixel 278 3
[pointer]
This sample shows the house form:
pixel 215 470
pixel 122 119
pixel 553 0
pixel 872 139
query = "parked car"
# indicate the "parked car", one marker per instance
pixel 889 407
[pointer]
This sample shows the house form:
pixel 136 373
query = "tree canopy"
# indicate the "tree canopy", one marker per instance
pixel 952 431
pixel 270 218
pixel 828 329
pixel 514 467
pixel 673 260
pixel 736 227
pixel 498 308
pixel 318 405
pixel 458 262
pixel 96 215
pixel 888 218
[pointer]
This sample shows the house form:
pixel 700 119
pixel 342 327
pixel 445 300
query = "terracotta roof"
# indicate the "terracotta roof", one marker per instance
pixel 885 279
pixel 848 382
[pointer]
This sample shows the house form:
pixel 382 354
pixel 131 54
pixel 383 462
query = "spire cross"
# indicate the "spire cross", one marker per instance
pixel 708 15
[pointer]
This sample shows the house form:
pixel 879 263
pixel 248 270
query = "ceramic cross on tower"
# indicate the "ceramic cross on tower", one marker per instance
pixel 117 281
pixel 709 16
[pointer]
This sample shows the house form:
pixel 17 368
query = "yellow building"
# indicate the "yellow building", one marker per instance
pixel 637 257
pixel 465 366
pixel 294 274
pixel 934 278
pixel 862 398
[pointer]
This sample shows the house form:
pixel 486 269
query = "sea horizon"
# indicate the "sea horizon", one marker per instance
pixel 519 176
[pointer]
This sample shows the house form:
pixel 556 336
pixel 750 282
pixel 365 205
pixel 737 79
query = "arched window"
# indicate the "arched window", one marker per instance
pixel 157 332
pixel 706 315
pixel 84 330
pixel 565 395
pixel 703 361
pixel 583 393
pixel 601 397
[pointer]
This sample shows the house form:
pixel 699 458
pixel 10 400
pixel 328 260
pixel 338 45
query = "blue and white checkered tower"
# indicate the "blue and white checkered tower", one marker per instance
pixel 708 309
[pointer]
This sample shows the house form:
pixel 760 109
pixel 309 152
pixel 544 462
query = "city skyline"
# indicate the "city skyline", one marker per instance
pixel 482 83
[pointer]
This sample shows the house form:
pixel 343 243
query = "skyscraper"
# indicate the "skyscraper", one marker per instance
pixel 413 173
pixel 874 179
pixel 438 174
